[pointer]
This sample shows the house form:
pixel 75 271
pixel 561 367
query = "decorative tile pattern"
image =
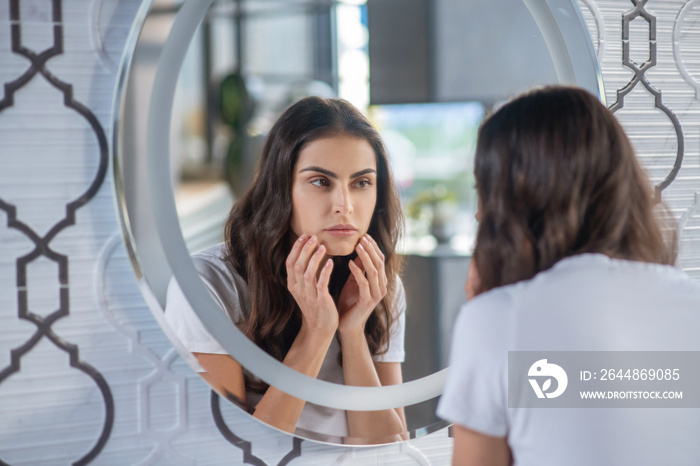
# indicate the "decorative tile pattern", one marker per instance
pixel 640 70
pixel 690 9
pixel 596 25
pixel 244 445
pixel 686 54
pixel 152 403
pixel 42 249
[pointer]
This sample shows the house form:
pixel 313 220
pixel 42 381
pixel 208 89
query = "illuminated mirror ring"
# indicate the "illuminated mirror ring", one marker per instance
pixel 217 323
pixel 575 62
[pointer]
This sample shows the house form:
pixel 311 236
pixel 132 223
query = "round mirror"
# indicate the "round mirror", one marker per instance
pixel 425 78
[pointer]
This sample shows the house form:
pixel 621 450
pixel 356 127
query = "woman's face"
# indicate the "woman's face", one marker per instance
pixel 334 192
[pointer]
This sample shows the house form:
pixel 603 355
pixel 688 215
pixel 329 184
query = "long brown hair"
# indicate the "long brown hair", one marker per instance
pixel 258 229
pixel 557 176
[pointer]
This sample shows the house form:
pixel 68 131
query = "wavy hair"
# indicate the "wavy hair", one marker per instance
pixel 258 230
pixel 557 176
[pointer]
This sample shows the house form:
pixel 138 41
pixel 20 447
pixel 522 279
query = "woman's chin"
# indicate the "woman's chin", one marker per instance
pixel 340 249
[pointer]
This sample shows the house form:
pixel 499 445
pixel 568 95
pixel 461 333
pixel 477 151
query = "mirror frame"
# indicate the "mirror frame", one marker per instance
pixel 573 55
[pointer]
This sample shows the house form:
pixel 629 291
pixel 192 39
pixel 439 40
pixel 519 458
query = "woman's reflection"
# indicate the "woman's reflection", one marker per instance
pixel 308 271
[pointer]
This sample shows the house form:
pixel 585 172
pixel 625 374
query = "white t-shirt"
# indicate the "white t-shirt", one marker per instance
pixel 587 302
pixel 230 292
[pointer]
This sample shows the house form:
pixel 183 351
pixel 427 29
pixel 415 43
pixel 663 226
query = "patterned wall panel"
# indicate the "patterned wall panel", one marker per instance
pixel 86 376
pixel 656 104
pixel 47 372
pixel 686 58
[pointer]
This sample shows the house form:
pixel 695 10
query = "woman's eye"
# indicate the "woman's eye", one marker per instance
pixel 363 184
pixel 320 182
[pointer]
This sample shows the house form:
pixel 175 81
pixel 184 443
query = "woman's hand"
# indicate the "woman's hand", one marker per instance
pixel 318 310
pixel 365 287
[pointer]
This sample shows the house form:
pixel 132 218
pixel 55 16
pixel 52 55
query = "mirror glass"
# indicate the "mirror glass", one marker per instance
pixel 425 78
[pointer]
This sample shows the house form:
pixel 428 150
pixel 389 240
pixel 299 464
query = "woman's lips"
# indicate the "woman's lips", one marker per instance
pixel 343 231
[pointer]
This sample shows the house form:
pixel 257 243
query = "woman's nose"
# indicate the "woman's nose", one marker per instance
pixel 342 202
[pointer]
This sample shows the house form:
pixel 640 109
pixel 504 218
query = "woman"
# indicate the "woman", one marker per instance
pixel 569 257
pixel 308 271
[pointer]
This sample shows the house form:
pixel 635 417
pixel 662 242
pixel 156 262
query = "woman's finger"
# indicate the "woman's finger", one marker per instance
pixel 292 259
pixel 378 260
pixel 311 270
pixel 303 260
pixel 379 252
pixel 381 256
pixel 371 272
pixel 362 283
pixel 358 262
pixel 324 277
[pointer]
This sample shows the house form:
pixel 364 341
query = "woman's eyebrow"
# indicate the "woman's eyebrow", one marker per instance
pixel 314 168
pixel 363 172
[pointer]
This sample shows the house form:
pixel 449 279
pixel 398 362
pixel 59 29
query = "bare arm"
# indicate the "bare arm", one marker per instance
pixel 306 355
pixel 276 407
pixel 359 370
pixel 390 374
pixel 360 296
pixel 472 448
pixel 223 373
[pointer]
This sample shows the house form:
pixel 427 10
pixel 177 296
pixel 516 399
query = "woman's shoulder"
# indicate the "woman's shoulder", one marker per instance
pixel 577 283
pixel 213 255
pixel 224 282
pixel 212 262
pixel 590 270
pixel 495 305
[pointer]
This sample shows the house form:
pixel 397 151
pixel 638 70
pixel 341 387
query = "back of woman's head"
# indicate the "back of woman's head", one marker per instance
pixel 557 176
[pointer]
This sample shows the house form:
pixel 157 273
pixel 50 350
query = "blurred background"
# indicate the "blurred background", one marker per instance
pixel 424 72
